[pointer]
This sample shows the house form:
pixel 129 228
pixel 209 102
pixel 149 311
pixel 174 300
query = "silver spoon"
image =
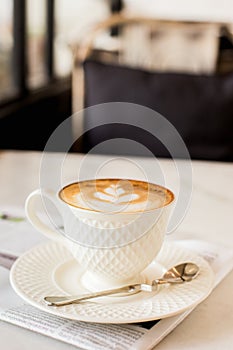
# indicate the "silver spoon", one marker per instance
pixel 177 274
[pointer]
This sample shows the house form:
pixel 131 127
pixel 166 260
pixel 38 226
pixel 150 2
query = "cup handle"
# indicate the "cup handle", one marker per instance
pixel 31 213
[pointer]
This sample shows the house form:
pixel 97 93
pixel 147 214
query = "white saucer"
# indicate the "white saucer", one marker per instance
pixel 49 269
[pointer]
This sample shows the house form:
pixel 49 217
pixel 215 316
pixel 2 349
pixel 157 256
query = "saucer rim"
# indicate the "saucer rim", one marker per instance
pixel 84 318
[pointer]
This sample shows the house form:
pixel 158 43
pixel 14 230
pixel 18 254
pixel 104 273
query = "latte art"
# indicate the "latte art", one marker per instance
pixel 115 194
pixel 110 195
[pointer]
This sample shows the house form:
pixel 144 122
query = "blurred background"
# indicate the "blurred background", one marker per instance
pixel 39 41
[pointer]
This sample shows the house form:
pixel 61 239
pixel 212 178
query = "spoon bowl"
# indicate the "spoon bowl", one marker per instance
pixel 183 272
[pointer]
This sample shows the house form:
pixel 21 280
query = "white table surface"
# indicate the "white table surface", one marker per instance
pixel 209 217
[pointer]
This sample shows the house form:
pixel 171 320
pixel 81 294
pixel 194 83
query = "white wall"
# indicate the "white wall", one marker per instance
pixel 197 10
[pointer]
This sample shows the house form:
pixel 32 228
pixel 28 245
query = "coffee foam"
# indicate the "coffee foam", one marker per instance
pixel 114 195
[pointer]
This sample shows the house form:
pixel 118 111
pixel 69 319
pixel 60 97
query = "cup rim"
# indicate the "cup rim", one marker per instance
pixel 136 212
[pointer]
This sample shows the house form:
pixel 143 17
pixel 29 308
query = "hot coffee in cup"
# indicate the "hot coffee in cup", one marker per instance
pixel 113 227
pixel 115 195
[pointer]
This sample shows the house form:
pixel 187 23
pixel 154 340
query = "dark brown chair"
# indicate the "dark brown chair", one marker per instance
pixel 198 104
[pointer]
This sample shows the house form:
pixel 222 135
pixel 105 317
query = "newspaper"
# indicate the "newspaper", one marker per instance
pixel 16 236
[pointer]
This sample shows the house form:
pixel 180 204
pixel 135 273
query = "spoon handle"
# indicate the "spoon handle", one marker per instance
pixel 66 300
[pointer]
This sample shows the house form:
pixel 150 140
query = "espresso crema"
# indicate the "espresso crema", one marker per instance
pixel 107 195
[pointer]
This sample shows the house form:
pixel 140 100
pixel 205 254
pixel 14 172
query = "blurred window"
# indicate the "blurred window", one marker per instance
pixel 36 41
pixel 72 20
pixel 6 48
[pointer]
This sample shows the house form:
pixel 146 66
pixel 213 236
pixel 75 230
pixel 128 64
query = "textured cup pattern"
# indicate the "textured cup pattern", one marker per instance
pixel 121 263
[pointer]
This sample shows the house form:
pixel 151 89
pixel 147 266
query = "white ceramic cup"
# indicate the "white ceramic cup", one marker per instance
pixel 114 247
